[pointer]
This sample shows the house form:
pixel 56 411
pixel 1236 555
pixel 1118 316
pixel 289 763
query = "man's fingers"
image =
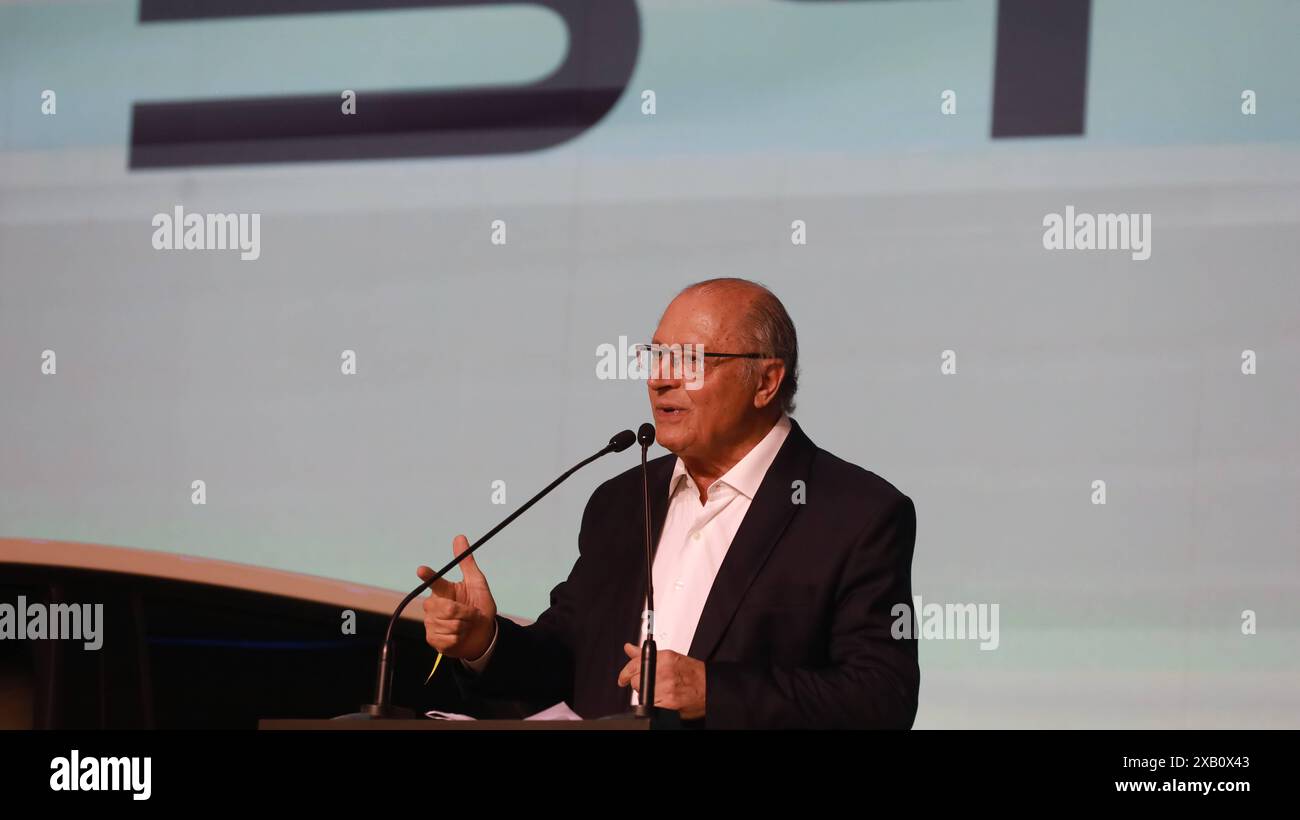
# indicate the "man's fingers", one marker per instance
pixel 631 650
pixel 451 629
pixel 445 629
pixel 631 677
pixel 441 587
pixel 469 567
pixel 447 609
pixel 631 673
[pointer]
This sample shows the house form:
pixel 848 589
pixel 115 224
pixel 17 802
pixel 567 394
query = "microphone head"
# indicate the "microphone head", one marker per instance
pixel 621 441
pixel 646 434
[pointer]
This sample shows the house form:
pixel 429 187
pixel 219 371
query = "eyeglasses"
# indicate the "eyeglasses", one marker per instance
pixel 659 361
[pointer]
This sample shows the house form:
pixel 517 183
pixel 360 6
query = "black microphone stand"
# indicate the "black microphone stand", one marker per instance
pixel 382 709
pixel 646 697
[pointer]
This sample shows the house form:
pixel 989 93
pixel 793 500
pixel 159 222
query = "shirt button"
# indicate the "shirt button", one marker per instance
pixel 695 535
pixel 679 584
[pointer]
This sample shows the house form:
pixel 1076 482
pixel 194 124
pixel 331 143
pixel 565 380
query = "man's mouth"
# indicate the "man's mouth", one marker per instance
pixel 670 412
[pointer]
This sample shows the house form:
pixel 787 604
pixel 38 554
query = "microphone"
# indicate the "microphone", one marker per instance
pixel 381 708
pixel 646 697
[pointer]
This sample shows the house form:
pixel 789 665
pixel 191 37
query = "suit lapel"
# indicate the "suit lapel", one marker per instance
pixel 769 514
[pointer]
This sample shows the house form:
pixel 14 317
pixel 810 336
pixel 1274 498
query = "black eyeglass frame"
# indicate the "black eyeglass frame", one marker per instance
pixel 648 348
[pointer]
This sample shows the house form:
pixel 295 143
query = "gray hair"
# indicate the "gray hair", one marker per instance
pixel 768 327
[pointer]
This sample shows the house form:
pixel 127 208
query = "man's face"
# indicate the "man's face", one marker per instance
pixel 700 417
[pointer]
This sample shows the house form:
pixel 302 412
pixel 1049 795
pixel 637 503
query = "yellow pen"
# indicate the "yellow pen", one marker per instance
pixel 437 661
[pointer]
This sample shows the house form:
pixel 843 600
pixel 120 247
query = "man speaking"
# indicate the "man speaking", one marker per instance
pixel 776 564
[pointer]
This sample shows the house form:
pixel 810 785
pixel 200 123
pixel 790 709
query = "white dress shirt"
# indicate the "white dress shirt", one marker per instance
pixel 694 541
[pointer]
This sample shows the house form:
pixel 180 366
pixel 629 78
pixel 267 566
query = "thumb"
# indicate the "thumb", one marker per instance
pixel 469 567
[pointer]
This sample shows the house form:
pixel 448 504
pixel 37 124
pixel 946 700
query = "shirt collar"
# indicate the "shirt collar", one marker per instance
pixel 745 475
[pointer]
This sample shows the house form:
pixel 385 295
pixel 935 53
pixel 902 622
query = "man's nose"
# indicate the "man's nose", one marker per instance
pixel 664 381
pixel 664 377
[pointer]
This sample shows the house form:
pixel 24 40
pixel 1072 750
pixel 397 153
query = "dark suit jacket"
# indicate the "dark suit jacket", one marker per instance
pixel 795 631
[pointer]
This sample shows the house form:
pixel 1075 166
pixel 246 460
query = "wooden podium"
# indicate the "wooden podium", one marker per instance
pixel 661 719
pixel 428 724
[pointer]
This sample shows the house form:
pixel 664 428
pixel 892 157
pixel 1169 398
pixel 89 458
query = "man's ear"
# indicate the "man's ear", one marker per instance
pixel 770 376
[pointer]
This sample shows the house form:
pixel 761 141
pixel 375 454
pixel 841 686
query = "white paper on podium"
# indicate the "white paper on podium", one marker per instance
pixel 436 715
pixel 559 711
